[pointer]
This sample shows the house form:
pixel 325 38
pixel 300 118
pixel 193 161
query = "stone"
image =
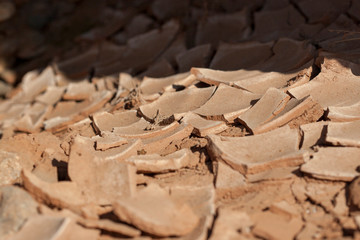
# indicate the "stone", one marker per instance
pixel 16 206
pixel 152 211
pixel 333 163
pixel 280 148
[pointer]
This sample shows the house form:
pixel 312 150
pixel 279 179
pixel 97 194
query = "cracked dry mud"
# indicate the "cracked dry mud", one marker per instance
pixel 191 120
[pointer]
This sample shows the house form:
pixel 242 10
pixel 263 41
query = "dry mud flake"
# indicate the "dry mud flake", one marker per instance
pixel 279 148
pixel 153 211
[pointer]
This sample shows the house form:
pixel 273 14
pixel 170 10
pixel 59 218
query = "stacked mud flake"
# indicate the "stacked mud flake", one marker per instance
pixel 220 140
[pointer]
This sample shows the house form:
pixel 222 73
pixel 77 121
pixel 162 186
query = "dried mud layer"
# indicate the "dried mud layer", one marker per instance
pixel 191 120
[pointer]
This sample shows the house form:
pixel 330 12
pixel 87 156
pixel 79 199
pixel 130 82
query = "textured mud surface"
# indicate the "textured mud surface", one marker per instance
pixel 180 120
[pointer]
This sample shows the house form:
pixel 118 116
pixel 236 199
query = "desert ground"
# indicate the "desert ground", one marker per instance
pixel 188 120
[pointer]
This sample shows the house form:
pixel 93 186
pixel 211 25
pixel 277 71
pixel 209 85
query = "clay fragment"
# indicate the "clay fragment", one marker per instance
pixel 283 229
pixel 280 148
pixel 177 103
pixel 16 207
pixel 154 163
pixel 108 140
pixel 152 211
pixel 313 134
pixel 203 127
pixel 228 181
pixel 10 168
pixel 345 113
pixel 60 194
pixel 232 224
pixel 198 56
pixel 79 91
pixel 144 129
pixel 294 114
pixel 255 81
pixel 88 170
pixel 215 108
pixel 333 163
pixel 336 85
pixel 104 121
pixel 271 104
pixel 56 227
pixel 344 134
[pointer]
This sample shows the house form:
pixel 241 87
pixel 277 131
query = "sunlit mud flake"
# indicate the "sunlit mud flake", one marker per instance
pixel 254 81
pixel 232 224
pixel 34 86
pixel 258 153
pixel 150 86
pixel 344 134
pixel 144 129
pixel 87 169
pixel 177 103
pixel 105 121
pixel 228 181
pixel 51 96
pixel 313 134
pixel 333 163
pixel 227 103
pixel 294 114
pixel 336 85
pixel 10 168
pixel 201 199
pixel 154 163
pixel 79 90
pixel 108 140
pixel 15 208
pixel 273 226
pixel 63 194
pixel 269 105
pixel 202 126
pixel 51 227
pixel 280 173
pixel 345 113
pixel 158 143
pixel 152 211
